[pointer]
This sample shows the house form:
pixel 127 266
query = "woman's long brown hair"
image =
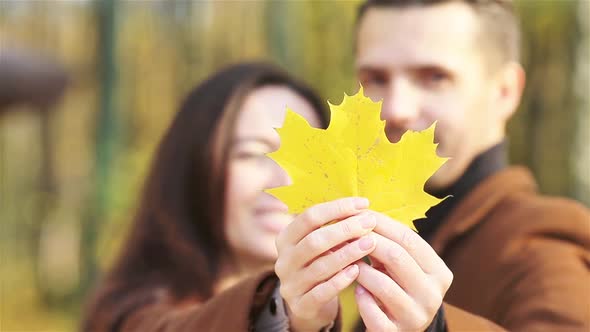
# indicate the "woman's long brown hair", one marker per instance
pixel 177 239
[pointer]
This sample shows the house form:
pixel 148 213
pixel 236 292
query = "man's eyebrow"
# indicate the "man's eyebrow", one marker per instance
pixel 413 68
pixel 415 65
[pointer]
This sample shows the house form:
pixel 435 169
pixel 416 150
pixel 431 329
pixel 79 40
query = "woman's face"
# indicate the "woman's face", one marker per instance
pixel 253 218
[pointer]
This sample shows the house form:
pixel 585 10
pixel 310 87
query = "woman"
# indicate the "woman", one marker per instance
pixel 204 228
pixel 203 221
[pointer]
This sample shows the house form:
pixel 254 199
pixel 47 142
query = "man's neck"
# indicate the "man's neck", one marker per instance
pixel 485 164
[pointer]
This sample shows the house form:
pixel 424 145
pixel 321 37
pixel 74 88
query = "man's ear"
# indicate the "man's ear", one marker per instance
pixel 510 85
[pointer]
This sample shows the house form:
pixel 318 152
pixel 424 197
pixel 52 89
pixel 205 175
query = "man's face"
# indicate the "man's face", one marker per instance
pixel 424 62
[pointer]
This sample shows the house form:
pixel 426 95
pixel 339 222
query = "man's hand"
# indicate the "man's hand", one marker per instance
pixel 405 286
pixel 316 263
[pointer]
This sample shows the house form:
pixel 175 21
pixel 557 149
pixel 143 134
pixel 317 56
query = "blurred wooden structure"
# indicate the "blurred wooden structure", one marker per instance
pixel 30 79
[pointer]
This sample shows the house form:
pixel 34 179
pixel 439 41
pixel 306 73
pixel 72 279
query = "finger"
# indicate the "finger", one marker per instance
pixel 420 250
pixel 318 215
pixel 327 266
pixel 327 291
pixel 401 267
pixel 373 317
pixel 398 304
pixel 326 238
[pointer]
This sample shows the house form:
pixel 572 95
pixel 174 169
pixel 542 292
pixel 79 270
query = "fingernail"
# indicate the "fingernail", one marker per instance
pixel 351 271
pixel 361 203
pixel 368 221
pixel 366 242
pixel 360 290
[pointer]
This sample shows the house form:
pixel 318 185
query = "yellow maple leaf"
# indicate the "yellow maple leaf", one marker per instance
pixel 353 157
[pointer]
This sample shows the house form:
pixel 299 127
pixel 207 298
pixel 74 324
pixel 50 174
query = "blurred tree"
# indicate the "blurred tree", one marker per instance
pixel 107 134
pixel 543 131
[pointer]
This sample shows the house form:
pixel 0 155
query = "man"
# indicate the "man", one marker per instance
pixel 519 259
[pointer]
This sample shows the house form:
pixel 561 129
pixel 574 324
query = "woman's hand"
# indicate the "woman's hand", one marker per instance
pixel 316 263
pixel 405 286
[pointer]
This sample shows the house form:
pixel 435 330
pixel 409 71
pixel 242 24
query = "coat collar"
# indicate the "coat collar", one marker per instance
pixel 484 197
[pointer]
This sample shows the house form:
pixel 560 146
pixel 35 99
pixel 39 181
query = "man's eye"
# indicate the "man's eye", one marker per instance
pixel 433 78
pixel 437 76
pixel 373 80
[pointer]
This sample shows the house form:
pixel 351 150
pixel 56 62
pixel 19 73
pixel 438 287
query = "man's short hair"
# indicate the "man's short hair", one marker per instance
pixel 499 25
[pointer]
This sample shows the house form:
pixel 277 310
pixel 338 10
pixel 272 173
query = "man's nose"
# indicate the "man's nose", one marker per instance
pixel 400 105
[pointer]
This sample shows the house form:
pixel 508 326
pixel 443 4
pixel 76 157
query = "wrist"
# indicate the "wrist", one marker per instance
pixel 328 327
pixel 298 324
pixel 438 323
pixel 306 325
